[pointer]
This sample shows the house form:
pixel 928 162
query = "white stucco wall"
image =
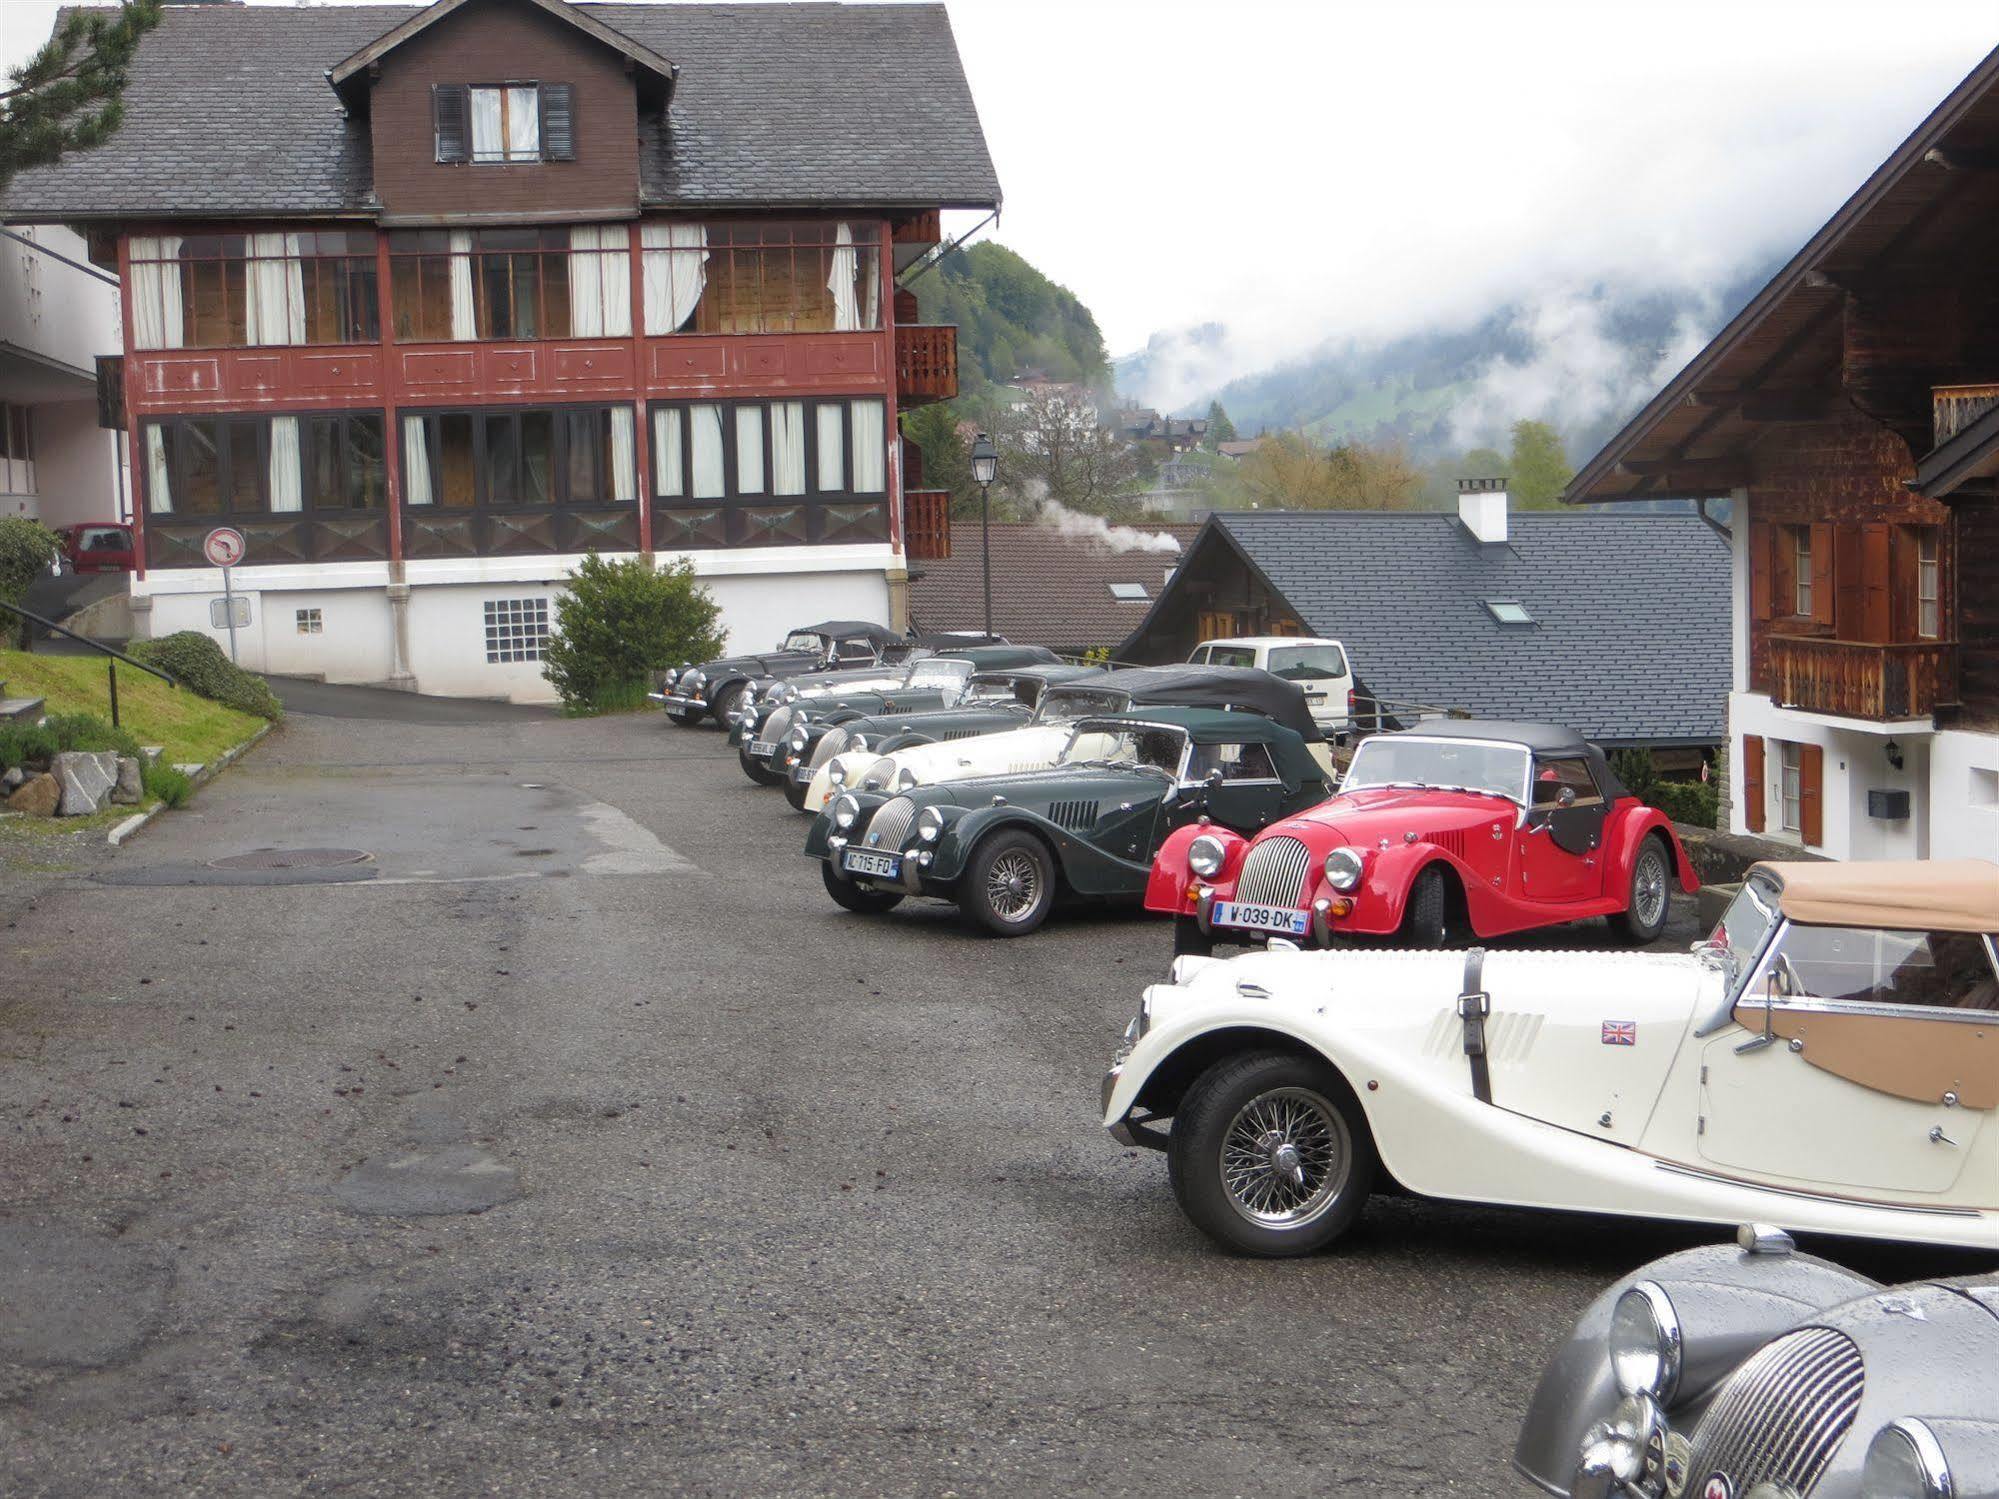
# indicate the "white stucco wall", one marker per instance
pixel 1964 795
pixel 76 465
pixel 1856 762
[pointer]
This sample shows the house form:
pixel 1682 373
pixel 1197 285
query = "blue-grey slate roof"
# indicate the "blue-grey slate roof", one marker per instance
pixel 1630 640
pixel 228 113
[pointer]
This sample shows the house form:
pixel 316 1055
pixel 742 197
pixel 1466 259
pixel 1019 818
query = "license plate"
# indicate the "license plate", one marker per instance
pixel 883 866
pixel 1259 918
pixel 1315 697
pixel 763 749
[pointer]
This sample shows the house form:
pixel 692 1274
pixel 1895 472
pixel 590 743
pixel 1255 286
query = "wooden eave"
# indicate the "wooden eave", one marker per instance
pixel 1789 337
pixel 1971 454
pixel 349 76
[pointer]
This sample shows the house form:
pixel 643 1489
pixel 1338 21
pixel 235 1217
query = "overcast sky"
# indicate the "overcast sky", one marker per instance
pixel 1328 169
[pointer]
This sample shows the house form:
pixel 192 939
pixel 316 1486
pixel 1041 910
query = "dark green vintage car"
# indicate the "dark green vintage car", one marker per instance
pixel 1005 848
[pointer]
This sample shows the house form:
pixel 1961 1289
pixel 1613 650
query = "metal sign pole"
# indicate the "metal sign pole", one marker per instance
pixel 229 609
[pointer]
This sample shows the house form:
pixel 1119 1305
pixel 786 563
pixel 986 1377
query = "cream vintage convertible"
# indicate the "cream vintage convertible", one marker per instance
pixel 1828 1061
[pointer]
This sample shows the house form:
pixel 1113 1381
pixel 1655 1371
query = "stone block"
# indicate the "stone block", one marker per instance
pixel 130 789
pixel 87 778
pixel 38 796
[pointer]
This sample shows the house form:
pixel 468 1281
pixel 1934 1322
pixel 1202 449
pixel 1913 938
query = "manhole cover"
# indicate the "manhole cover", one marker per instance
pixel 292 858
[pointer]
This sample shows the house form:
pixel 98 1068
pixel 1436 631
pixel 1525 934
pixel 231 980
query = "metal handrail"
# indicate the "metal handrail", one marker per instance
pixel 111 654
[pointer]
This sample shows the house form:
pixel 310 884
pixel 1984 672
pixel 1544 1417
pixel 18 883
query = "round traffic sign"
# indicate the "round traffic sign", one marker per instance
pixel 223 547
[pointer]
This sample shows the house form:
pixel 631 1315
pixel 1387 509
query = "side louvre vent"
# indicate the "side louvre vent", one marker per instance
pixel 1073 815
pixel 1451 843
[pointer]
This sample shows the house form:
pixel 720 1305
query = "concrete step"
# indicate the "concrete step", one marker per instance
pixel 20 709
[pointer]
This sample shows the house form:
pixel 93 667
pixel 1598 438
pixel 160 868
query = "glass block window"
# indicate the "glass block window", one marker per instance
pixel 516 629
pixel 310 622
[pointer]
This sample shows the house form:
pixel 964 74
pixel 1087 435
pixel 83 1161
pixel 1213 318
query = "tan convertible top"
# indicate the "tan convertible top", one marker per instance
pixel 1941 895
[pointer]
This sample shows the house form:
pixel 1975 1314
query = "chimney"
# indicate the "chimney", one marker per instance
pixel 1482 509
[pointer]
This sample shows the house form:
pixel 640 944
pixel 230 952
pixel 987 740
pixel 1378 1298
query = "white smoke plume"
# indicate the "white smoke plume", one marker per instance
pixel 1059 518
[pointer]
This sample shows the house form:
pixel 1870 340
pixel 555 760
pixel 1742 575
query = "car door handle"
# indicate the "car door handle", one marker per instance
pixel 1538 827
pixel 1938 1137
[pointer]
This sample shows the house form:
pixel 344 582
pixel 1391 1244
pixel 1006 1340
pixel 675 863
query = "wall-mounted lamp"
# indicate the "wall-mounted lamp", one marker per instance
pixel 1893 752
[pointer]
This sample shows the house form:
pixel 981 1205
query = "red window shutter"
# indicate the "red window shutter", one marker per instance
pixel 1762 546
pixel 1752 782
pixel 1811 804
pixel 558 122
pixel 1822 574
pixel 451 115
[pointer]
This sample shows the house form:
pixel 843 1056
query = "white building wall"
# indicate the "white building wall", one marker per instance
pixel 77 463
pixel 55 319
pixel 1856 762
pixel 1964 795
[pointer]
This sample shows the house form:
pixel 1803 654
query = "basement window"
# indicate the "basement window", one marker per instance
pixel 1129 593
pixel 516 629
pixel 310 622
pixel 1508 612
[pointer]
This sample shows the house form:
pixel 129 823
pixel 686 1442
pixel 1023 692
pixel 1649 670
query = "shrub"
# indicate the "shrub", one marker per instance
pixel 1692 802
pixel 617 623
pixel 171 786
pixel 27 547
pixel 26 744
pixel 84 731
pixel 201 666
pixel 1634 767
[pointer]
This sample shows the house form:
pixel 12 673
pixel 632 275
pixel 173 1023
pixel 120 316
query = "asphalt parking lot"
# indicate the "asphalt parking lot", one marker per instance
pixel 574 1142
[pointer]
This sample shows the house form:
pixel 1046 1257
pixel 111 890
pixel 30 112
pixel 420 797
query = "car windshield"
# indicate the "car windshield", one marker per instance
pixel 937 671
pixel 1141 747
pixel 803 640
pixel 1302 662
pixel 1745 925
pixel 1441 764
pixel 1065 704
pixel 990 690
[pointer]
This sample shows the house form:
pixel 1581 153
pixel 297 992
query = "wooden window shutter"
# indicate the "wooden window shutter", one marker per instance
pixel 1901 583
pixel 1849 590
pixel 1874 570
pixel 451 115
pixel 1811 804
pixel 1752 782
pixel 1822 574
pixel 558 122
pixel 1762 550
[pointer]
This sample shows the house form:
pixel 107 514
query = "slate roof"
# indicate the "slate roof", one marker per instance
pixel 228 113
pixel 1048 588
pixel 1630 640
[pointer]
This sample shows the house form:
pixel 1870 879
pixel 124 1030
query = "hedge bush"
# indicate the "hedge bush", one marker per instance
pixel 201 666
pixel 171 786
pixel 1693 802
pixel 27 549
pixel 86 731
pixel 619 622
pixel 26 744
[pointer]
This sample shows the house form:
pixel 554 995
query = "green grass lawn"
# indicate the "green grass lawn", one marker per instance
pixel 190 728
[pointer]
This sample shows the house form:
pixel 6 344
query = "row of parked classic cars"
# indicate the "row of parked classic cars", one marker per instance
pixel 1826 1060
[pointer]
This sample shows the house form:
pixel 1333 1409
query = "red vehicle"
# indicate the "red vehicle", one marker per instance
pixel 1469 826
pixel 98 547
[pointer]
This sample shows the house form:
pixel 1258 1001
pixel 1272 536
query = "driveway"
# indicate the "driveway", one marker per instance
pixel 499 1105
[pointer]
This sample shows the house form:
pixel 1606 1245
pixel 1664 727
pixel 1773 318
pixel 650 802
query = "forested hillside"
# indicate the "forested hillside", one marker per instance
pixel 1011 319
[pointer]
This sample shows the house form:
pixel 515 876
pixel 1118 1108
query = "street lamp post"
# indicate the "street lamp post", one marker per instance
pixel 985 468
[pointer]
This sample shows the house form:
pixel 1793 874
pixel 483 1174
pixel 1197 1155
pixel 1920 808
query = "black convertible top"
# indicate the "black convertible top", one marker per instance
pixel 1001 657
pixel 850 629
pixel 1050 673
pixel 1546 740
pixel 1190 686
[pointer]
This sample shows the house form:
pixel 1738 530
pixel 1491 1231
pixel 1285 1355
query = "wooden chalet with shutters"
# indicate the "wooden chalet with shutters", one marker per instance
pixel 1851 414
pixel 441 298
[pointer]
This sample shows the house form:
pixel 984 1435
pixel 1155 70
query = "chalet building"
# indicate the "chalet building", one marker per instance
pixel 1852 412
pixel 1614 625
pixel 429 302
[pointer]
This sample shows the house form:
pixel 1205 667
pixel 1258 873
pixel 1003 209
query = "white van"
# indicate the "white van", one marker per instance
pixel 1319 667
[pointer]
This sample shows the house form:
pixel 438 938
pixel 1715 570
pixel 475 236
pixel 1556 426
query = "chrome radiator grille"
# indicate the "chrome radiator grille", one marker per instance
pixel 831 743
pixel 1273 873
pixel 1783 1414
pixel 777 725
pixel 891 824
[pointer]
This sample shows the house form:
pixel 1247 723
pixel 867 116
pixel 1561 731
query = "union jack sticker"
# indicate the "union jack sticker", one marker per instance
pixel 1620 1033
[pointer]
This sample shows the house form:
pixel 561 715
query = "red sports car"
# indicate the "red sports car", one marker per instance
pixel 1467 826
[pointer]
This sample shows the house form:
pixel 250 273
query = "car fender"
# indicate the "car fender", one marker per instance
pixel 909 739
pixel 1390 875
pixel 963 833
pixel 1728 1303
pixel 1630 830
pixel 1167 886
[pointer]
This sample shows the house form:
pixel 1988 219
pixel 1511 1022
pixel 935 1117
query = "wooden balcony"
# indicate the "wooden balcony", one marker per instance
pixel 1955 407
pixel 1857 679
pixel 926 524
pixel 926 364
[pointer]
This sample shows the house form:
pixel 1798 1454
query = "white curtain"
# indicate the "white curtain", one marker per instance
pixel 666 460
pixel 416 461
pixel 787 447
pixel 600 281
pixel 676 273
pixel 523 124
pixel 487 141
pixel 846 311
pixel 624 454
pixel 156 291
pixel 464 317
pixel 287 484
pixel 832 421
pixel 159 488
pixel 871 287
pixel 870 448
pixel 749 450
pixel 276 312
pixel 705 447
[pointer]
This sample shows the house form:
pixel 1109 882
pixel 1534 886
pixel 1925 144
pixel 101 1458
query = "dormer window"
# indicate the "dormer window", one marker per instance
pixel 504 123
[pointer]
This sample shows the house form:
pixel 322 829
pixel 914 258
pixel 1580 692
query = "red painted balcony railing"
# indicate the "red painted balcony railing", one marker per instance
pixel 1855 679
pixel 926 364
pixel 926 524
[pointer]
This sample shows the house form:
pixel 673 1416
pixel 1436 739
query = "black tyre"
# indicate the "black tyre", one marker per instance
pixel 757 770
pixel 1008 886
pixel 1270 1155
pixel 727 701
pixel 1189 940
pixel 794 792
pixel 853 897
pixel 1649 900
pixel 1425 920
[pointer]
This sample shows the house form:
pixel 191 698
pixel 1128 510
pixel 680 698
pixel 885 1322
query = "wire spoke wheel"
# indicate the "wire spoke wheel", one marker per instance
pixel 1648 887
pixel 1285 1158
pixel 1013 884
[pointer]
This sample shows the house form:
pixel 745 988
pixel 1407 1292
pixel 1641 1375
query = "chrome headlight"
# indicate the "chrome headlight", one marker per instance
pixel 797 739
pixel 1645 1343
pixel 1905 1461
pixel 858 743
pixel 1343 868
pixel 1205 856
pixel 905 779
pixel 1140 1023
pixel 672 676
pixel 1613 1455
pixel 836 773
pixel 694 681
pixel 845 810
pixel 929 824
